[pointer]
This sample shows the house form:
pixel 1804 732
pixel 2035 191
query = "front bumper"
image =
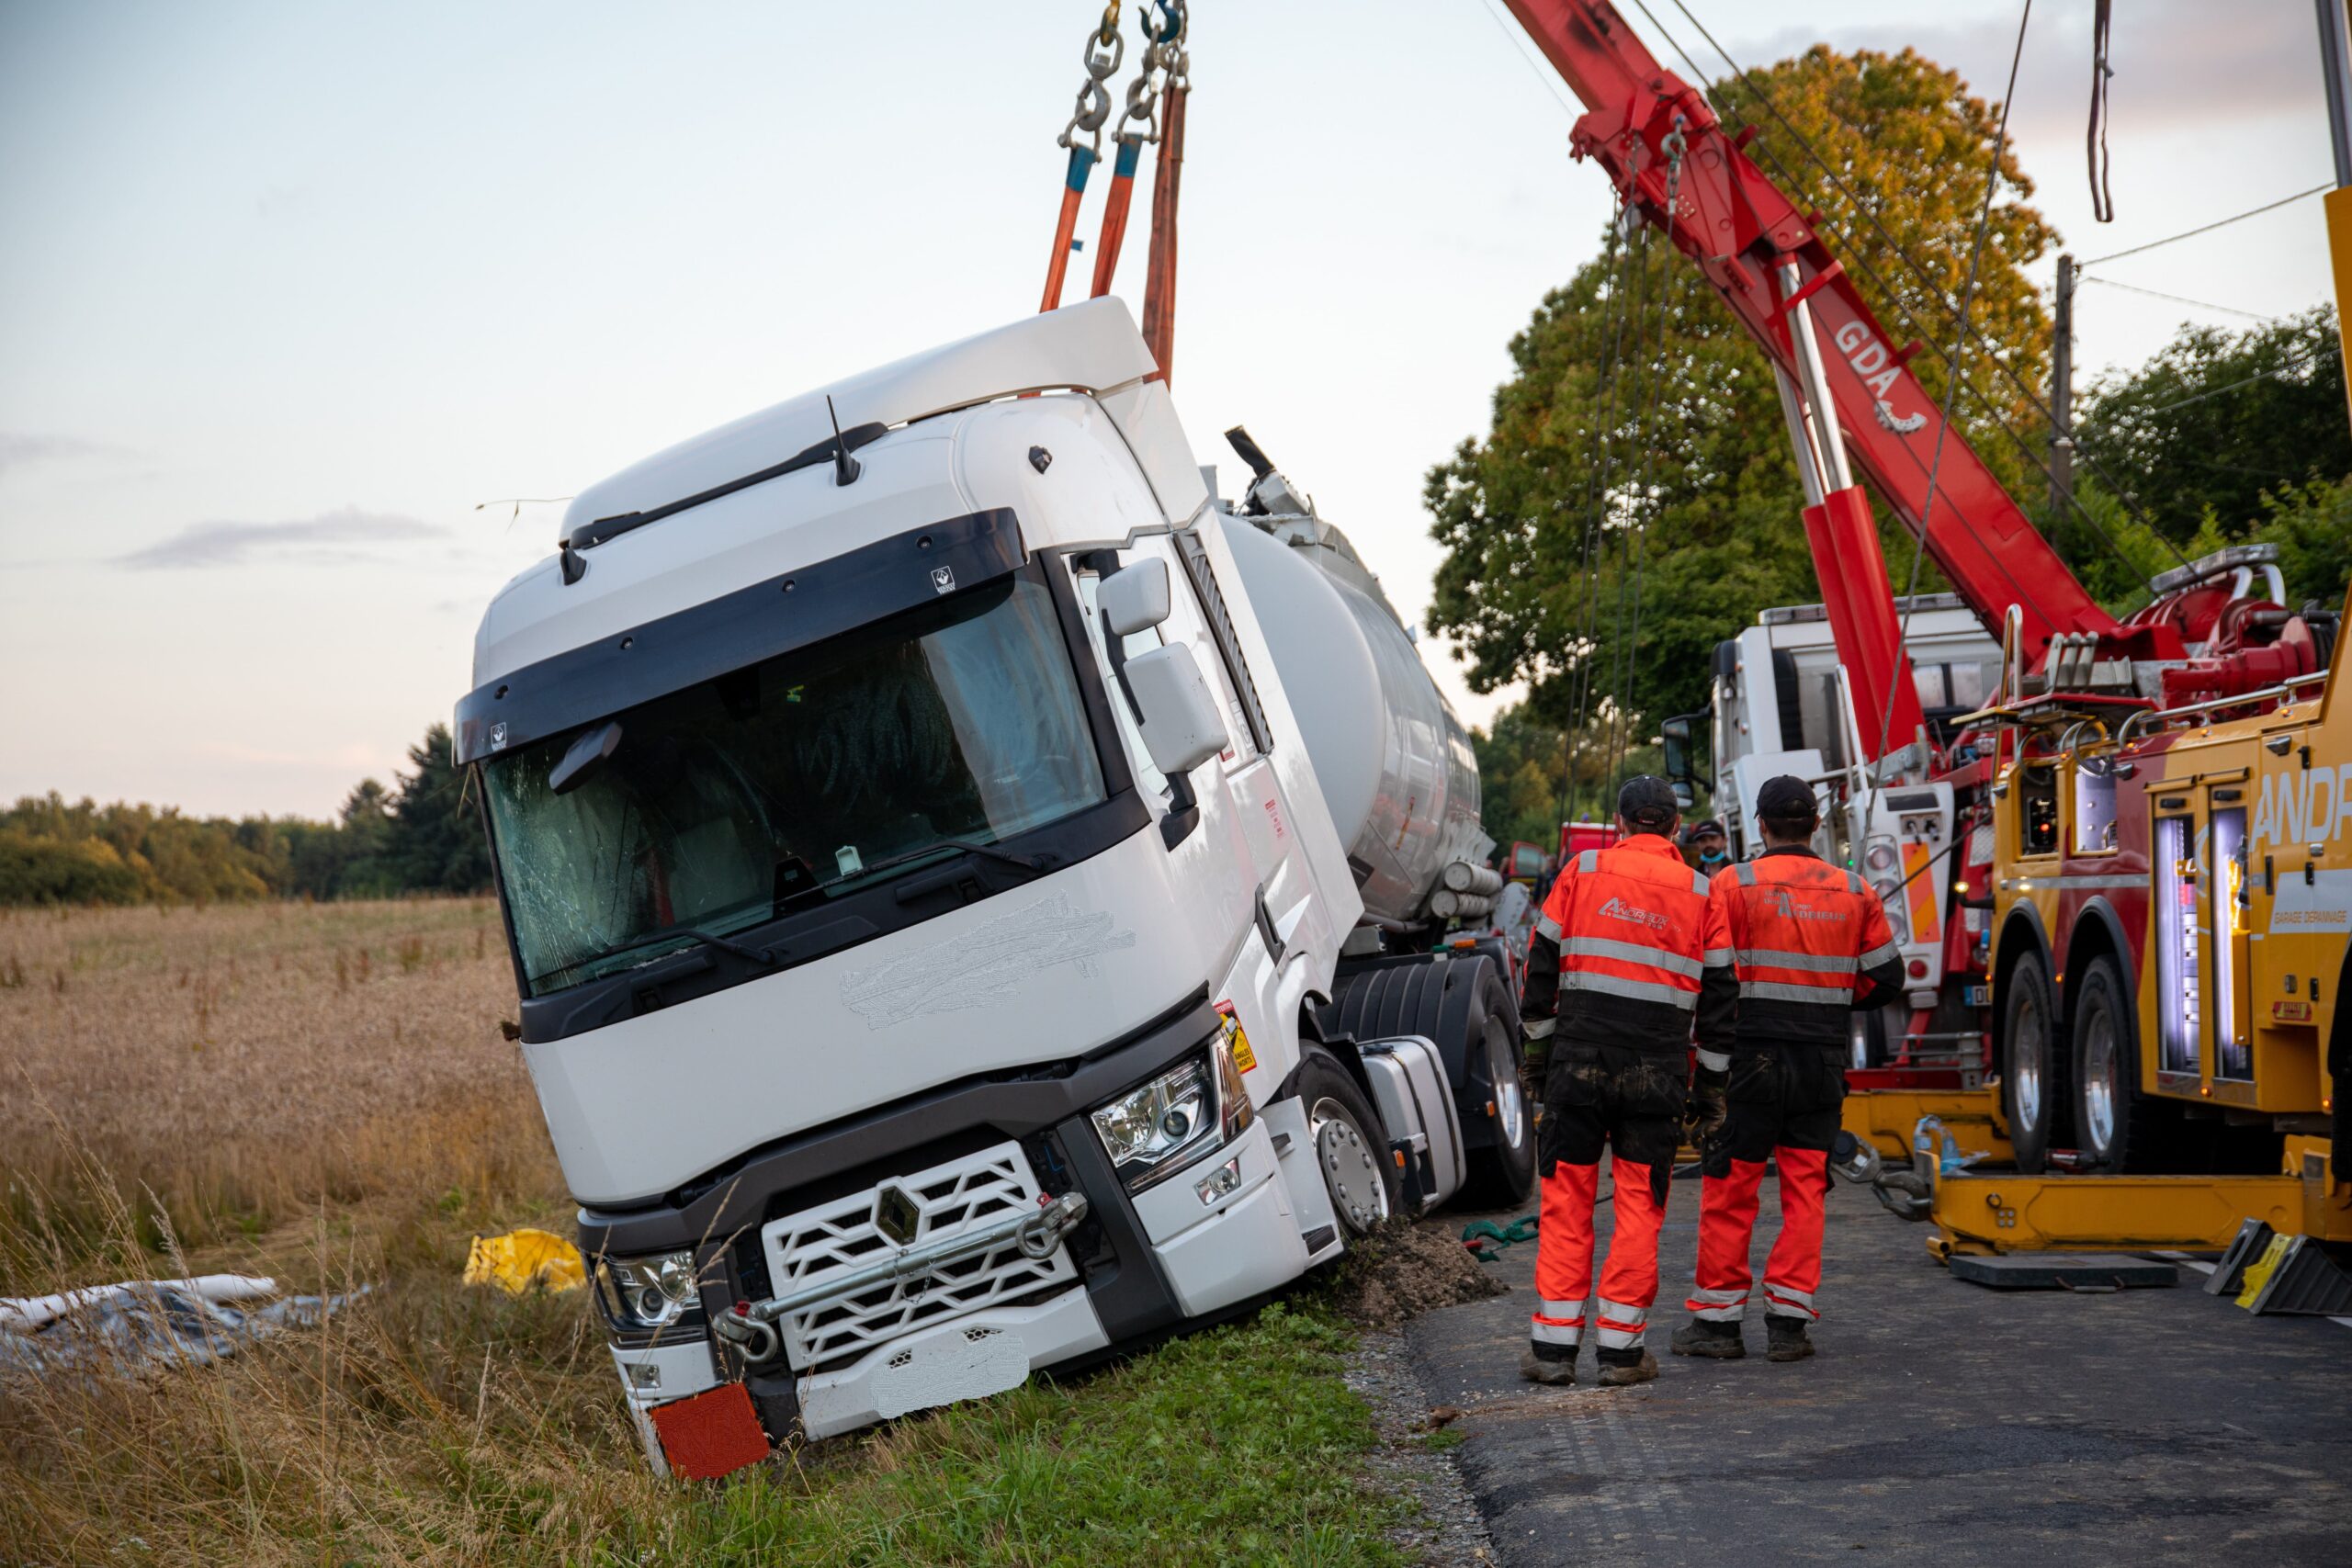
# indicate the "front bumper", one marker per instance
pixel 905 1339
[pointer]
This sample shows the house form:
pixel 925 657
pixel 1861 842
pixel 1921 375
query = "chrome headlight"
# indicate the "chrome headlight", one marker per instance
pixel 1157 1128
pixel 647 1293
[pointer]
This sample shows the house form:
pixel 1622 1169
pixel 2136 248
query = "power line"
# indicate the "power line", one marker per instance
pixel 2270 375
pixel 2206 228
pixel 2176 299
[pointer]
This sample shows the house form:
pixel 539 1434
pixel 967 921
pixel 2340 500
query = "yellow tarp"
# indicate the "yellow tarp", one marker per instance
pixel 522 1259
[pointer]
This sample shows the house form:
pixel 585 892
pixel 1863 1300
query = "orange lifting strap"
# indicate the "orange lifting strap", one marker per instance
pixel 1164 52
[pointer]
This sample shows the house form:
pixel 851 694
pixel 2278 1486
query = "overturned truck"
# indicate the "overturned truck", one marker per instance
pixel 979 901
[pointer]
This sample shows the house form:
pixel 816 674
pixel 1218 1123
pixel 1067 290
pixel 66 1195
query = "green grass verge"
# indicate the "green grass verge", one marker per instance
pixel 1242 1445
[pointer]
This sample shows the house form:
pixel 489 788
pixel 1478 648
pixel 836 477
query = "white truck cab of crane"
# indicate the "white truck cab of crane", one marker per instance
pixel 928 916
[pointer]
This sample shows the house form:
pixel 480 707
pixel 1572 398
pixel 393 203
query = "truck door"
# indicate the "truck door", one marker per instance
pixel 2202 922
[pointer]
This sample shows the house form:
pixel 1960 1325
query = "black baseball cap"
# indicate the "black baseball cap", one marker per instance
pixel 1647 802
pixel 1698 831
pixel 1786 799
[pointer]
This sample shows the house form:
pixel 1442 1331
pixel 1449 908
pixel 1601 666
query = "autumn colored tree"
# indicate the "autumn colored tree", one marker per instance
pixel 1635 499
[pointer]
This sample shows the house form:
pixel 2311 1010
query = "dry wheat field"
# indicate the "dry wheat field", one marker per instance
pixel 321 1094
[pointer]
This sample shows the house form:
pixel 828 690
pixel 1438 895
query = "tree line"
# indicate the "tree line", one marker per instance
pixel 421 835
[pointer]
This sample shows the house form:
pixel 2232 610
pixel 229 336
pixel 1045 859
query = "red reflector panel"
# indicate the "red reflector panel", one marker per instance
pixel 711 1435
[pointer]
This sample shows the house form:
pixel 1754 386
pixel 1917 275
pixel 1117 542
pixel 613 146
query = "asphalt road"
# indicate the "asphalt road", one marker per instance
pixel 1939 1423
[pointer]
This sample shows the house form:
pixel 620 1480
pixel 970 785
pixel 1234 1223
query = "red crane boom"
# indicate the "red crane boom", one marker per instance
pixel 1841 374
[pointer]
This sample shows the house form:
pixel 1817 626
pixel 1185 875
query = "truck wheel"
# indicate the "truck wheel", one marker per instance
pixel 1502 1174
pixel 1462 1003
pixel 2119 1126
pixel 2034 1067
pixel 1351 1147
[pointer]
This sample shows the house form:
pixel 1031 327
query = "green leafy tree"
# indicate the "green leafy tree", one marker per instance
pixel 1690 447
pixel 2199 435
pixel 435 843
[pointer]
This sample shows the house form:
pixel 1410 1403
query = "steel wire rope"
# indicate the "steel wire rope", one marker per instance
pixel 2039 403
pixel 1952 383
pixel 1596 473
pixel 2276 371
pixel 1645 422
pixel 1622 663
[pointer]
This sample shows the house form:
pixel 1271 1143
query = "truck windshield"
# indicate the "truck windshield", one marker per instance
pixel 781 785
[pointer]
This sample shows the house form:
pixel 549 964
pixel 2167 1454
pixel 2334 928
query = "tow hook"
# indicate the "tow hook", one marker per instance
pixel 749 1327
pixel 1909 1193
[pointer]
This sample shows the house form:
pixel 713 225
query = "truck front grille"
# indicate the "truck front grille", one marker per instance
pixel 863 1229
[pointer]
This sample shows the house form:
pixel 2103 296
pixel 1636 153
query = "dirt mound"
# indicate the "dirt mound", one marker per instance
pixel 1403 1268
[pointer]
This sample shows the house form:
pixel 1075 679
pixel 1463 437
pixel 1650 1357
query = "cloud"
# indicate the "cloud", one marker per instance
pixel 18 448
pixel 331 538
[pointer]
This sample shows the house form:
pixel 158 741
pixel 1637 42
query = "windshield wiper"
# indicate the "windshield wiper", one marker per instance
pixel 1033 865
pixel 761 957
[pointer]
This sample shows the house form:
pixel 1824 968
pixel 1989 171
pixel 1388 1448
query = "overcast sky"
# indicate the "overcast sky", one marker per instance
pixel 288 288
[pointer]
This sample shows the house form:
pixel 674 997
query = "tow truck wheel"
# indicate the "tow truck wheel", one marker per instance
pixel 2117 1124
pixel 1350 1147
pixel 2034 1067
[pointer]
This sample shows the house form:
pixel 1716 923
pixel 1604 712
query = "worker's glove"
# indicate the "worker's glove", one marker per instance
pixel 1534 1065
pixel 1707 1112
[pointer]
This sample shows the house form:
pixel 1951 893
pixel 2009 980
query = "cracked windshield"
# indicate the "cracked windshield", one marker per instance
pixel 779 785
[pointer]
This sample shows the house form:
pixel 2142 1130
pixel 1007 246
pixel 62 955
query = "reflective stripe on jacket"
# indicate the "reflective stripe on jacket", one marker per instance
pixel 1616 955
pixel 1793 946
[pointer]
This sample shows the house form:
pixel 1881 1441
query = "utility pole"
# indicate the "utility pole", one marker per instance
pixel 2062 395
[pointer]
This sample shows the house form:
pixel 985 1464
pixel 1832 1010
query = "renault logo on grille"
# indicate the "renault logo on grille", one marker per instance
pixel 896 1216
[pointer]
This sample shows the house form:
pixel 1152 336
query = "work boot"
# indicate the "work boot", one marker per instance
pixel 1617 1370
pixel 1706 1336
pixel 1554 1364
pixel 1785 1339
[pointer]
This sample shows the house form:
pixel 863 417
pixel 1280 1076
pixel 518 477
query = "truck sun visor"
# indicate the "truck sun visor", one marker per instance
pixel 742 627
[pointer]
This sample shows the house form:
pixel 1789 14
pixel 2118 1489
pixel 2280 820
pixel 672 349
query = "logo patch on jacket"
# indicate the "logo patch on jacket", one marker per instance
pixel 1618 909
pixel 1790 910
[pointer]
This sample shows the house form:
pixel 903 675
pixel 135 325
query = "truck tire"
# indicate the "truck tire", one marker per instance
pixel 2120 1128
pixel 1349 1143
pixel 1461 1003
pixel 2034 1066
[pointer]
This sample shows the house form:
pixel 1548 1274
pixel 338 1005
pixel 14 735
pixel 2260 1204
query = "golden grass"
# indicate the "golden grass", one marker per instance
pixel 322 1094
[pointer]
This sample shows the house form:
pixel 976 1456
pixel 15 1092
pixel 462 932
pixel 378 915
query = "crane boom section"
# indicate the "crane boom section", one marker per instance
pixel 1731 220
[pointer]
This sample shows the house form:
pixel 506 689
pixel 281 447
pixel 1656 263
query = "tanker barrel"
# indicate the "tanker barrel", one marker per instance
pixel 1448 905
pixel 1463 877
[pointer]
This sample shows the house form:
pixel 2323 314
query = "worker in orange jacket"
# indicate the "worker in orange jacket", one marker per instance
pixel 1793 946
pixel 1613 978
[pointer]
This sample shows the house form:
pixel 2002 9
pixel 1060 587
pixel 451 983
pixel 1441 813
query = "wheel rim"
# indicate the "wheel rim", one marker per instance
pixel 1510 1104
pixel 1350 1173
pixel 2027 1067
pixel 2099 1087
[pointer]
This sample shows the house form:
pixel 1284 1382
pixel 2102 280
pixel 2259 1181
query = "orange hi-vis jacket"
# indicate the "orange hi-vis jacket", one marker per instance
pixel 1617 954
pixel 1793 946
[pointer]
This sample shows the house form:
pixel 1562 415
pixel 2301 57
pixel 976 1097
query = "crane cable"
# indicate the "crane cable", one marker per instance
pixel 1652 374
pixel 2034 399
pixel 1951 385
pixel 2095 139
pixel 1612 328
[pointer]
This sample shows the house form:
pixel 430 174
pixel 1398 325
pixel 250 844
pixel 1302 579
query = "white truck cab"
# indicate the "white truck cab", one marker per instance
pixel 939 955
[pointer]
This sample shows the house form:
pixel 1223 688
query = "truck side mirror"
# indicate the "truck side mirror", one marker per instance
pixel 1134 597
pixel 1182 726
pixel 1674 738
